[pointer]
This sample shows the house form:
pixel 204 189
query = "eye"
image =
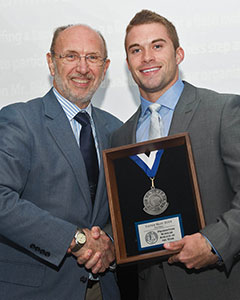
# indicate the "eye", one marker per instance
pixel 70 57
pixel 92 57
pixel 135 51
pixel 158 46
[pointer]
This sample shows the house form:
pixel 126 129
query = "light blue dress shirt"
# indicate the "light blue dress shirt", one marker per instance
pixel 168 102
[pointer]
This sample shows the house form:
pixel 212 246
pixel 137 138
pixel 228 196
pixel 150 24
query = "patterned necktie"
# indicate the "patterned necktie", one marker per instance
pixel 156 124
pixel 88 150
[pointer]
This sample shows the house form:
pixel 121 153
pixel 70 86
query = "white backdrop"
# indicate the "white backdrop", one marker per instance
pixel 209 32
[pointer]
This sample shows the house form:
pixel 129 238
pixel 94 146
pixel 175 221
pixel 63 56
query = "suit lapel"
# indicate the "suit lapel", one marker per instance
pixel 184 110
pixel 101 128
pixel 133 123
pixel 131 127
pixel 61 132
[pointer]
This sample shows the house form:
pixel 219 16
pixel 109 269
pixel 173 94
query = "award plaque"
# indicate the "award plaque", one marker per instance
pixel 153 196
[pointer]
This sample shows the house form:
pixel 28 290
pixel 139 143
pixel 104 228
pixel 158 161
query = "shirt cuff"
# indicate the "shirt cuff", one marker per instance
pixel 213 249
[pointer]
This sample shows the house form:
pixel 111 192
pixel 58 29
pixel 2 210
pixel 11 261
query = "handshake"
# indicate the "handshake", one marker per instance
pixel 97 254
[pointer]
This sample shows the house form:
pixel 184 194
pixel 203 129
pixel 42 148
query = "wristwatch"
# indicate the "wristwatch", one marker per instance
pixel 80 239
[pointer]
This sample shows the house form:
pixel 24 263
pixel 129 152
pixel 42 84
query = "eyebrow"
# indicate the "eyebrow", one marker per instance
pixel 153 42
pixel 75 51
pixel 133 45
pixel 159 40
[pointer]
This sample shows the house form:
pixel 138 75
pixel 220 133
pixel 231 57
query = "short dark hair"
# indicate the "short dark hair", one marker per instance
pixel 147 17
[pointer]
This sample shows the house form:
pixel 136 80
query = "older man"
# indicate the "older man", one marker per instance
pixel 53 203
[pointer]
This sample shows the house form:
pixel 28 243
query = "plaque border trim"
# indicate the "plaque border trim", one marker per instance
pixel 109 155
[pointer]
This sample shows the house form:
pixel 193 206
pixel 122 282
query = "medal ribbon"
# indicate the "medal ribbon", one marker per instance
pixel 147 164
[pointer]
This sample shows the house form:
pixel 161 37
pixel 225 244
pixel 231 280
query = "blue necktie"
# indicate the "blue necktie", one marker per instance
pixel 88 150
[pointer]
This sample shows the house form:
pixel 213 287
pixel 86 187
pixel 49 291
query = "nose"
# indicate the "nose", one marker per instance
pixel 82 65
pixel 148 55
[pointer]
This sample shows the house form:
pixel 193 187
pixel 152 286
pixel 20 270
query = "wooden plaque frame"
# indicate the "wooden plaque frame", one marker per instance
pixel 110 155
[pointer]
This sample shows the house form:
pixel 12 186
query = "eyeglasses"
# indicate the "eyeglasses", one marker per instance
pixel 91 59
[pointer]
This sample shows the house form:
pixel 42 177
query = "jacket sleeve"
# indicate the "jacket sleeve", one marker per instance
pixel 24 223
pixel 224 234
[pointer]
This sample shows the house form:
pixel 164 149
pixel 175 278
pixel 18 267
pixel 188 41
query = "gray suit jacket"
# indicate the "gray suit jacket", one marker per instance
pixel 213 123
pixel 44 196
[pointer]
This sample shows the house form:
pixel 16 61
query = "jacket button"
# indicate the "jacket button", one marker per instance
pixel 32 246
pixel 83 279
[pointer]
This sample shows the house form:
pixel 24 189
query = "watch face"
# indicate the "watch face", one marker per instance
pixel 80 238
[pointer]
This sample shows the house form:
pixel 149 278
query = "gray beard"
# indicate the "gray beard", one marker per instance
pixel 67 93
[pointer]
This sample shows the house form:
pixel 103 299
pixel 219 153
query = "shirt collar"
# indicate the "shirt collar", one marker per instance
pixel 70 108
pixel 169 99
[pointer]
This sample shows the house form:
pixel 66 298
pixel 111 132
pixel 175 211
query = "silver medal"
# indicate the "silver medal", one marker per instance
pixel 155 202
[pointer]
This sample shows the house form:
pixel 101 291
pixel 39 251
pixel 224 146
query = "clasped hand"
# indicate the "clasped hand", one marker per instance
pixel 97 253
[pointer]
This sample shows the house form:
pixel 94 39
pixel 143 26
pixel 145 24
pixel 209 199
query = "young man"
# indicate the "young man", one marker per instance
pixel 51 206
pixel 206 265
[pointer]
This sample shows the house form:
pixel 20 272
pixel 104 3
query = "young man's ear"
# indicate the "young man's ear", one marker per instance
pixel 179 55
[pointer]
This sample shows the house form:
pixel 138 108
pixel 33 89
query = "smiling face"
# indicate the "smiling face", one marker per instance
pixel 77 81
pixel 152 59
